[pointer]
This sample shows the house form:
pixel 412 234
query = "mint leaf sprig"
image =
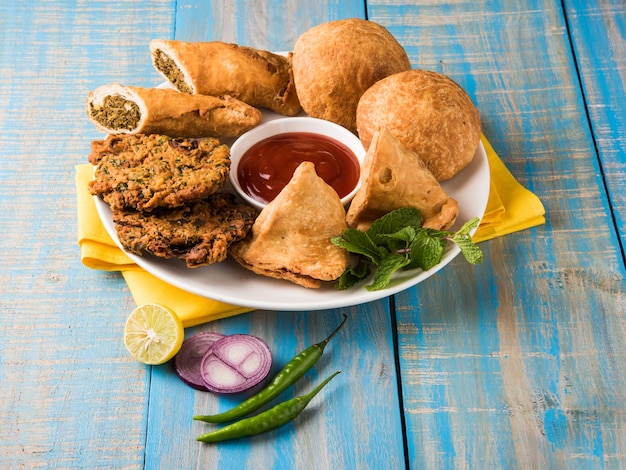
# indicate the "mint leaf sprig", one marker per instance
pixel 398 241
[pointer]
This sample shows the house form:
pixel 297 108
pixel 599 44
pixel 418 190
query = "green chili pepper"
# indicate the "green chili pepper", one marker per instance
pixel 267 420
pixel 292 371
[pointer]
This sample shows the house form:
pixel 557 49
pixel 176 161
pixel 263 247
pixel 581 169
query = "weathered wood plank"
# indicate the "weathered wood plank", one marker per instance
pixel 598 32
pixel 354 423
pixel 517 363
pixel 264 25
pixel 70 396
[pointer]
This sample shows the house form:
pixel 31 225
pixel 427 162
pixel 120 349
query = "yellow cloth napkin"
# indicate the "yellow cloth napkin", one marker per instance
pixel 510 208
pixel 99 251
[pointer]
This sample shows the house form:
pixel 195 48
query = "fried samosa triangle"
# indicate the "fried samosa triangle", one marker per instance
pixel 290 239
pixel 394 177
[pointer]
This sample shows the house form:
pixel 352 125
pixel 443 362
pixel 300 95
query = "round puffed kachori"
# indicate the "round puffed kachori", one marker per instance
pixel 429 113
pixel 335 62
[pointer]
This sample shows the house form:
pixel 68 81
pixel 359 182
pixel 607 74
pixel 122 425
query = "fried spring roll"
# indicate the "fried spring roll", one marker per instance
pixel 117 109
pixel 259 78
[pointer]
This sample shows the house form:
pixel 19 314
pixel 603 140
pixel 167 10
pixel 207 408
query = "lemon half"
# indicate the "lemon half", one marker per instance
pixel 153 334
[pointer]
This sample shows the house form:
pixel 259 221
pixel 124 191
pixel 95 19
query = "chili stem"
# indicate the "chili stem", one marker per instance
pixel 289 374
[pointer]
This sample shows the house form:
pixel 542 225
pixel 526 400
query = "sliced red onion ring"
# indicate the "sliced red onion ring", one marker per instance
pixel 187 361
pixel 236 363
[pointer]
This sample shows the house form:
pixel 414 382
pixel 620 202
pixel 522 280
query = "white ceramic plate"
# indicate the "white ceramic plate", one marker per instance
pixel 228 282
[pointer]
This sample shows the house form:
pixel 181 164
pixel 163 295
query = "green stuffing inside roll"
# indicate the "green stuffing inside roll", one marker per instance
pixel 169 68
pixel 116 113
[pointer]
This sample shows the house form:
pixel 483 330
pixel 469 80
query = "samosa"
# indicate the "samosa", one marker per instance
pixel 290 238
pixel 393 177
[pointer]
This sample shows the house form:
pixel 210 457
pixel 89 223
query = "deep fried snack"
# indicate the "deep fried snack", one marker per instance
pixel 199 233
pixel 291 237
pixel 257 77
pixel 335 62
pixel 117 109
pixel 430 114
pixel 144 172
pixel 394 177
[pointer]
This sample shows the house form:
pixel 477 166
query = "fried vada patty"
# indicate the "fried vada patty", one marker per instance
pixel 199 233
pixel 144 172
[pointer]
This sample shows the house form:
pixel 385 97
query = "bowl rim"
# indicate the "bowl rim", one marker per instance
pixel 285 125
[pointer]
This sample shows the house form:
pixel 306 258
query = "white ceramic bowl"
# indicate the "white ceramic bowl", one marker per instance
pixel 285 125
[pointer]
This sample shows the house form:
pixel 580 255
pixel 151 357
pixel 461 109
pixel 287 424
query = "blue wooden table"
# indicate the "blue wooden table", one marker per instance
pixel 518 362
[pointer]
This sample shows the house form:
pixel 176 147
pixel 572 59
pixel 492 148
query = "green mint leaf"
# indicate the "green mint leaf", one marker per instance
pixel 386 268
pixel 358 242
pixel 398 241
pixel 426 250
pixel 395 221
pixel 352 275
pixel 469 225
pixel 406 234
pixel 470 250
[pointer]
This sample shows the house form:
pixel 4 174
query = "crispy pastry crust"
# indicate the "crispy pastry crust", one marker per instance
pixel 257 77
pixel 429 113
pixel 140 172
pixel 394 177
pixel 168 112
pixel 199 233
pixel 291 237
pixel 335 62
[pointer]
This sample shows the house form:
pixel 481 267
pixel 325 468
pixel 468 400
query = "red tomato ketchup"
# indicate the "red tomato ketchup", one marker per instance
pixel 266 167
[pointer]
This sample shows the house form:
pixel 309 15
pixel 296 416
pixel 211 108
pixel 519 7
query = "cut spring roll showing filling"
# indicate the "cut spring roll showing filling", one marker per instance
pixel 257 77
pixel 117 109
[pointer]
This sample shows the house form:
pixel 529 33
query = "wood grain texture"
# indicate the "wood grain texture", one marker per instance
pixel 515 363
pixel 602 67
pixel 263 25
pixel 344 427
pixel 510 371
pixel 70 396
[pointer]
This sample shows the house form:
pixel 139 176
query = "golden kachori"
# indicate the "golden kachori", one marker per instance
pixel 429 113
pixel 335 62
